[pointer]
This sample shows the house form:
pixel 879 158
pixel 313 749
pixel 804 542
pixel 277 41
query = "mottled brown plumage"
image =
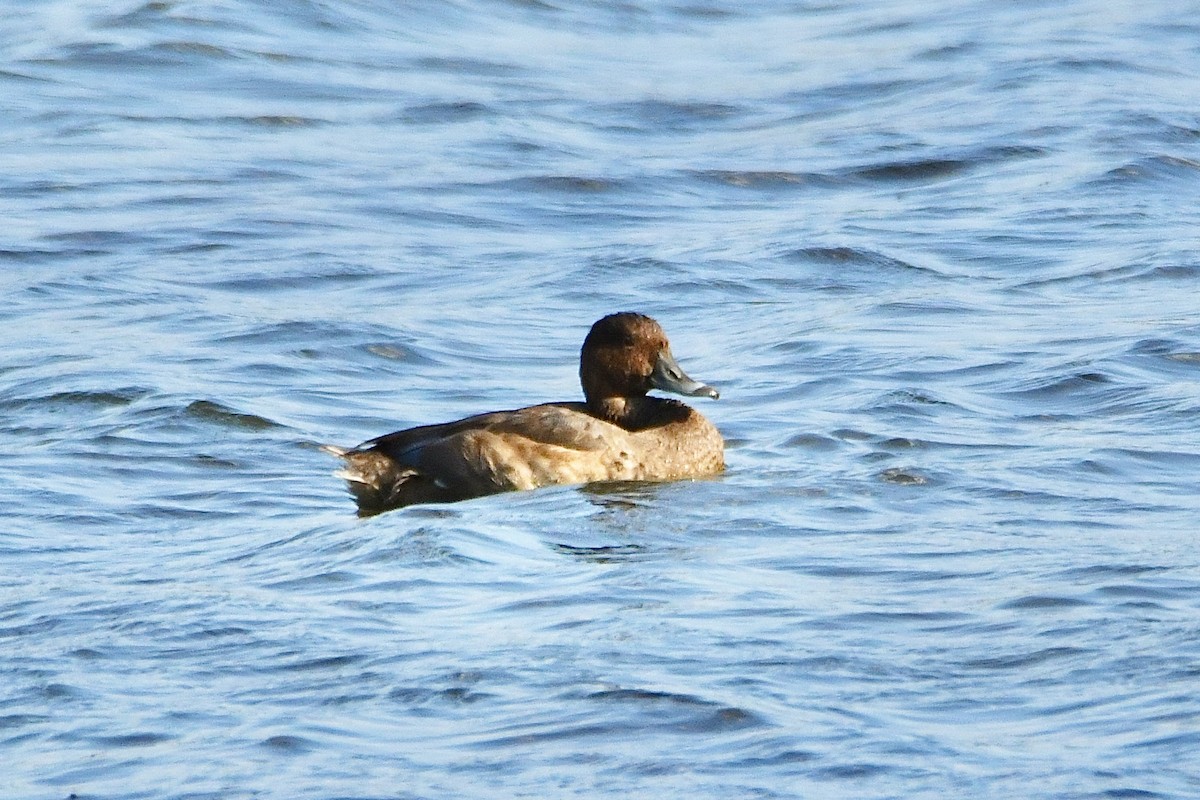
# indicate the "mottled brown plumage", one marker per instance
pixel 618 434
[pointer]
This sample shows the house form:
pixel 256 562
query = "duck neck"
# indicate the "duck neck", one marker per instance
pixel 637 413
pixel 623 411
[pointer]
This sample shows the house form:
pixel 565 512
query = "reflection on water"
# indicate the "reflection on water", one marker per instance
pixel 940 261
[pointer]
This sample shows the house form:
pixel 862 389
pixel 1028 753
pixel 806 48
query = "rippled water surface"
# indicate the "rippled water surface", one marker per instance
pixel 940 258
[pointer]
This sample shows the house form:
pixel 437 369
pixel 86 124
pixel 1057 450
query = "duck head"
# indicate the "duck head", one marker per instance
pixel 626 355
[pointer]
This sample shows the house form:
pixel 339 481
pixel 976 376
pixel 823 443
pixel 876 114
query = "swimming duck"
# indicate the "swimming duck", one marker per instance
pixel 617 434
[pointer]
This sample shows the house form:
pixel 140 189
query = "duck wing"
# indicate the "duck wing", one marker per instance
pixel 488 453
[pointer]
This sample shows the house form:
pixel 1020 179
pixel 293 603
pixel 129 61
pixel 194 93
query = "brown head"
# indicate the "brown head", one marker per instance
pixel 626 355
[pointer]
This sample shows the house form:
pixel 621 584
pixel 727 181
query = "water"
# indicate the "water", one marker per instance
pixel 940 259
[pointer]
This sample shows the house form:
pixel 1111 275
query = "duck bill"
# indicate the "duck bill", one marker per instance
pixel 670 377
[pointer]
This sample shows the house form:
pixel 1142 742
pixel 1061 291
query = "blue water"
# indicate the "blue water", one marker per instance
pixel 941 259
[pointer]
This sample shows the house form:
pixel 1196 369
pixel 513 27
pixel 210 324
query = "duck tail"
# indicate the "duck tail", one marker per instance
pixel 366 468
pixel 349 474
pixel 377 482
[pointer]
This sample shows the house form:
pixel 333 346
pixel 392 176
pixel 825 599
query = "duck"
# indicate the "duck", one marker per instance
pixel 618 433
